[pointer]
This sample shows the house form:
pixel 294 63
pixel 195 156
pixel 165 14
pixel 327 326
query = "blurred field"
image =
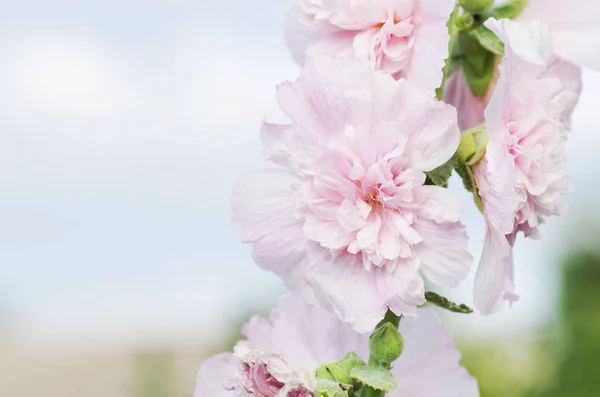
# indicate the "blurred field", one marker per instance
pixel 118 373
pixel 560 360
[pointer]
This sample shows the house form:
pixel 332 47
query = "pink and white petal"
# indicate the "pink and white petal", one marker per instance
pixel 263 206
pixel 305 336
pixel 410 296
pixel 438 204
pixel 469 107
pixel 493 280
pixel 216 375
pixel 431 44
pixel 574 27
pixel 444 254
pixel 360 298
pixel 429 354
pixel 570 78
pixel 287 145
pixel 529 42
pixel 334 44
pixel 300 32
pixel 362 309
pixel 495 178
pixel 430 125
pixel 329 95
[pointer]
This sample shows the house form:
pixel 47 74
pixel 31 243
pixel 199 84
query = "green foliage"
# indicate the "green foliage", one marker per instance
pixel 350 360
pixel 475 6
pixel 478 63
pixel 579 360
pixel 440 175
pixel 488 40
pixel 376 378
pixel 334 372
pixel 329 388
pixel 510 10
pixel 445 303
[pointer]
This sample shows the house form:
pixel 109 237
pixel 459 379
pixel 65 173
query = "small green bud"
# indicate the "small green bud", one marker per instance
pixel 473 143
pixel 386 343
pixel 334 372
pixel 476 6
pixel 350 360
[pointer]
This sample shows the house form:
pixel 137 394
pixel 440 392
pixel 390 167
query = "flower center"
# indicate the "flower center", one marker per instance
pixel 373 199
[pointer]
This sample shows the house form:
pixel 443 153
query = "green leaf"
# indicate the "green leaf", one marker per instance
pixel 445 303
pixel 488 40
pixel 473 143
pixel 350 360
pixel 510 10
pixel 377 378
pixel 328 388
pixel 334 372
pixel 440 175
pixel 476 6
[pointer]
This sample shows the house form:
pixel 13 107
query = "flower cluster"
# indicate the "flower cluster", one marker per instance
pixel 279 355
pixel 354 214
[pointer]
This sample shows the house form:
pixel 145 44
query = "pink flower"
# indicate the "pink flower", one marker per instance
pixel 523 174
pixel 268 375
pixel 407 38
pixel 574 41
pixel 347 219
pixel 298 338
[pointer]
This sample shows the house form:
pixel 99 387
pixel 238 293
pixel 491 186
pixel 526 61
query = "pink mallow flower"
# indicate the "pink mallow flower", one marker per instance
pixel 523 175
pixel 346 219
pixel 407 38
pixel 281 353
pixel 575 38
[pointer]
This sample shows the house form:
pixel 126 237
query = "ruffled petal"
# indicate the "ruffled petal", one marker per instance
pixel 216 376
pixel 430 363
pixel 263 210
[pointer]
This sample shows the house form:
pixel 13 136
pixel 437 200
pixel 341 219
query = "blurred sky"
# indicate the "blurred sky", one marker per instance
pixel 123 126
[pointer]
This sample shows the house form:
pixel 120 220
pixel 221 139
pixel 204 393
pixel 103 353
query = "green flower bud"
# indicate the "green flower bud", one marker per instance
pixel 476 6
pixel 350 360
pixel 386 343
pixel 334 372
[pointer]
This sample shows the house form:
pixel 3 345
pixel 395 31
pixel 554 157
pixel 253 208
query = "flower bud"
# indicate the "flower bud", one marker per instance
pixel 386 343
pixel 476 6
pixel 334 372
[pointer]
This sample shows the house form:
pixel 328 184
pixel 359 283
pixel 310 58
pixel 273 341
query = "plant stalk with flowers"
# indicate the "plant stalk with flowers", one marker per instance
pixel 393 97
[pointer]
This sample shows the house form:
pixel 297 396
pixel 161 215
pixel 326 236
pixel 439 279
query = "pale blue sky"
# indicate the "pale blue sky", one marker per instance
pixel 123 126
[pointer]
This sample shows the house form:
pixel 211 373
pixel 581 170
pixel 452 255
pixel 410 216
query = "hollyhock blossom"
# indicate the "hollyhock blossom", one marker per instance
pixel 281 354
pixel 523 175
pixel 575 36
pixel 407 38
pixel 346 219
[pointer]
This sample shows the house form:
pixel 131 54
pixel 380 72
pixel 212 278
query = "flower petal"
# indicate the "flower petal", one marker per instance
pixel 263 206
pixel 429 354
pixel 216 375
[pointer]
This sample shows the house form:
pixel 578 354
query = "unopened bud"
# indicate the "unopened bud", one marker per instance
pixel 334 372
pixel 386 343
pixel 476 6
